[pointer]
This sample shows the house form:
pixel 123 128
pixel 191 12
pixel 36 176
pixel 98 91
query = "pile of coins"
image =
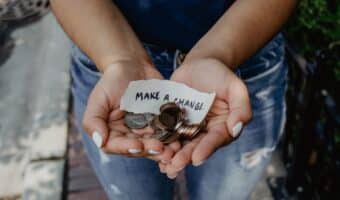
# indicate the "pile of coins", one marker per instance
pixel 170 125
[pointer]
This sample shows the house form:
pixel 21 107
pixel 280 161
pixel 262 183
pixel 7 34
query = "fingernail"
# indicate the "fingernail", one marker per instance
pixel 180 169
pixel 134 151
pixel 172 176
pixel 153 152
pixel 97 138
pixel 162 171
pixel 198 163
pixel 165 161
pixel 237 129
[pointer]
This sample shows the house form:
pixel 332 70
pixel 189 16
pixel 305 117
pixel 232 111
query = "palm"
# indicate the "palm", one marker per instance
pixel 231 105
pixel 103 114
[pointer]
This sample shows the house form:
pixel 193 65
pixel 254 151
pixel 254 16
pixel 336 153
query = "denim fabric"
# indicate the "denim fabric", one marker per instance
pixel 232 171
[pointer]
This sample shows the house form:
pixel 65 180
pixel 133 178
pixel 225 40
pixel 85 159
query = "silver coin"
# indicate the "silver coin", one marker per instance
pixel 135 121
pixel 149 117
pixel 161 135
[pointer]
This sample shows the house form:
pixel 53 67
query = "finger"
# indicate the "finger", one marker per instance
pixel 169 151
pixel 152 146
pixel 118 143
pixel 132 135
pixel 183 157
pixel 220 104
pixel 175 146
pixel 218 119
pixel 119 126
pixel 164 157
pixel 96 116
pixel 116 114
pixel 172 175
pixel 214 139
pixel 219 107
pixel 144 131
pixel 240 108
pixel 161 167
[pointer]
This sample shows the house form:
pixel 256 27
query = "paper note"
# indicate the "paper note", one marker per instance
pixel 148 95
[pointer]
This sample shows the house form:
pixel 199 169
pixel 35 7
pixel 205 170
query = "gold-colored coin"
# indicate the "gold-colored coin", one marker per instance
pixel 170 125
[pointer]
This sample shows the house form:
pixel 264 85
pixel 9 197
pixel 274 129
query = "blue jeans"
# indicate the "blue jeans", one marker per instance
pixel 232 171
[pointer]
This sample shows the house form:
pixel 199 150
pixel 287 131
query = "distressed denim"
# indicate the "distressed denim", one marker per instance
pixel 232 171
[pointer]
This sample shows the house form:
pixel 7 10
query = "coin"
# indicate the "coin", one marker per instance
pixel 158 125
pixel 168 120
pixel 171 138
pixel 171 114
pixel 149 117
pixel 171 124
pixel 189 131
pixel 161 135
pixel 166 106
pixel 135 121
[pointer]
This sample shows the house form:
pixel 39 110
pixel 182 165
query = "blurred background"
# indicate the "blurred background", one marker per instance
pixel 41 155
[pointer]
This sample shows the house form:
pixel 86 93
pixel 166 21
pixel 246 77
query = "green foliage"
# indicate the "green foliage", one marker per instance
pixel 316 26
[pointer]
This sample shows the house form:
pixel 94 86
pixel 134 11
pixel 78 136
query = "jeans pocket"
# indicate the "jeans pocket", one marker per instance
pixel 264 60
pixel 84 75
pixel 84 62
pixel 267 89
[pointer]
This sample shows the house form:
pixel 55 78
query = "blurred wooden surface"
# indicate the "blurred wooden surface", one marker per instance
pixel 82 183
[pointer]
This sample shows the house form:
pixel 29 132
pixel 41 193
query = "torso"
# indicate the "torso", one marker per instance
pixel 177 24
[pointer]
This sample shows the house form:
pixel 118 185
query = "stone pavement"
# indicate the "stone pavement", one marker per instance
pixel 34 101
pixel 34 95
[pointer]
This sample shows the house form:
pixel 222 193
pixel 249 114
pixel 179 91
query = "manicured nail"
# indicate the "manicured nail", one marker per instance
pixel 180 169
pixel 134 151
pixel 153 152
pixel 97 138
pixel 198 163
pixel 172 176
pixel 162 171
pixel 237 129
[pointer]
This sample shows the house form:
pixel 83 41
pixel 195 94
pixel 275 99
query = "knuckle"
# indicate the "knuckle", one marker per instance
pixel 182 159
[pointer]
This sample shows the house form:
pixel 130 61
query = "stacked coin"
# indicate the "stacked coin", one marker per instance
pixel 165 124
pixel 170 125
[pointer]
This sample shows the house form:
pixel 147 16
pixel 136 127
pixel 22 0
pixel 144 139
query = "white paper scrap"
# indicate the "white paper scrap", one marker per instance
pixel 147 96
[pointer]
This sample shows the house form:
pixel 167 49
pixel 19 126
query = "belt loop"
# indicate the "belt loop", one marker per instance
pixel 179 57
pixel 175 64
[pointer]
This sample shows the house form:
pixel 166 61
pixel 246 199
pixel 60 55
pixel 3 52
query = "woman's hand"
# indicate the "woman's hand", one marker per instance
pixel 229 112
pixel 103 120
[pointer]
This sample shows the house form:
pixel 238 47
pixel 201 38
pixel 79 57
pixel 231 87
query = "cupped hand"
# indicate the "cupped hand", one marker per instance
pixel 103 119
pixel 229 112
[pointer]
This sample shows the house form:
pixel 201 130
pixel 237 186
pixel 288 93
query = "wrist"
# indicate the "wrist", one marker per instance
pixel 226 56
pixel 195 59
pixel 124 61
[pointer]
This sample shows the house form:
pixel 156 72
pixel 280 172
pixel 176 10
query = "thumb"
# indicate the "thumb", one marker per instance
pixel 240 108
pixel 96 117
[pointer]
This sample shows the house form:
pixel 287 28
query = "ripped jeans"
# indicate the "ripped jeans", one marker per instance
pixel 232 171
